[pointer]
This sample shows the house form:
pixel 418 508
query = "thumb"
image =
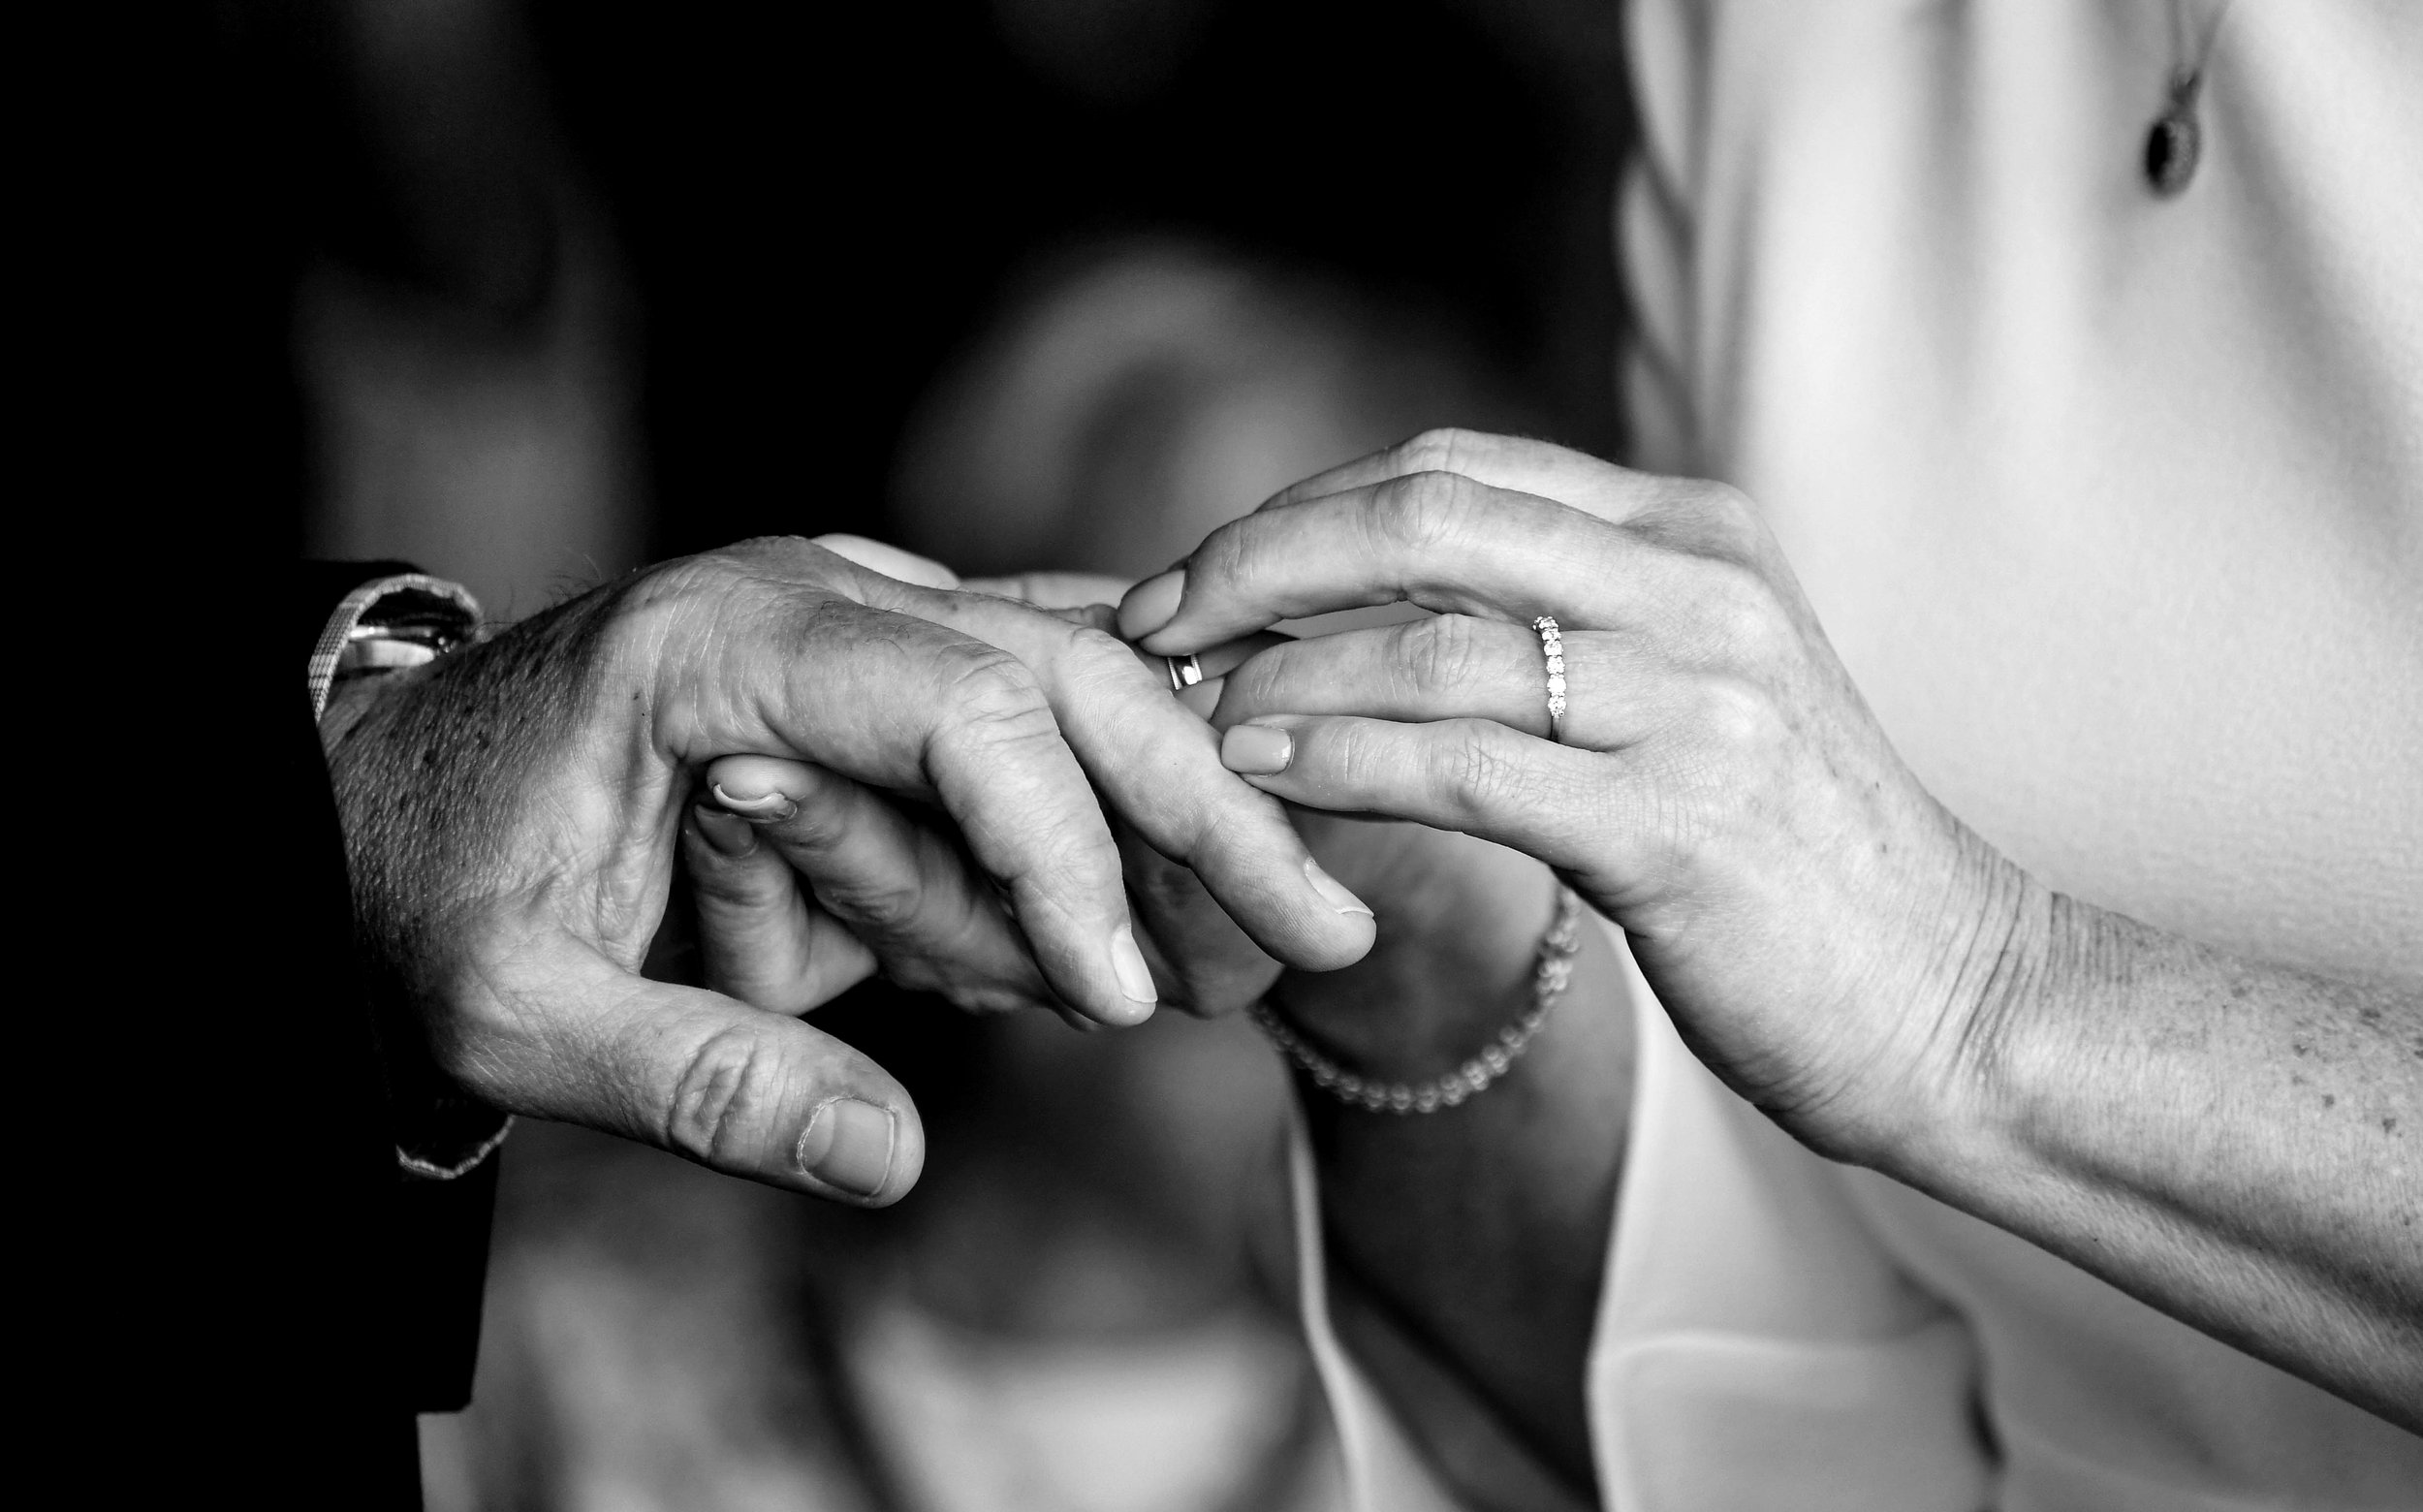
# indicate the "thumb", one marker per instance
pixel 736 1088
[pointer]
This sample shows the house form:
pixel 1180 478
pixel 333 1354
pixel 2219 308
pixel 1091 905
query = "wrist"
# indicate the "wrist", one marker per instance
pixel 2033 1033
pixel 351 700
pixel 2012 983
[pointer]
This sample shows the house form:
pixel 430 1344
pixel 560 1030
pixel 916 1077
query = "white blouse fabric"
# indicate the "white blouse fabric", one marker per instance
pixel 2113 505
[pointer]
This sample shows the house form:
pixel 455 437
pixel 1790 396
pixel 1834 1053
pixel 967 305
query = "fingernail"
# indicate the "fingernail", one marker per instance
pixel 1257 750
pixel 1135 977
pixel 1202 698
pixel 848 1144
pixel 729 834
pixel 766 808
pixel 1152 604
pixel 1333 891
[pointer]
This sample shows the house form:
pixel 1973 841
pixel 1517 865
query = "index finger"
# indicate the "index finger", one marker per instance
pixel 1441 540
pixel 1512 462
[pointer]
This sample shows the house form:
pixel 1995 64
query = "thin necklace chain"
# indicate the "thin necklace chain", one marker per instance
pixel 2186 76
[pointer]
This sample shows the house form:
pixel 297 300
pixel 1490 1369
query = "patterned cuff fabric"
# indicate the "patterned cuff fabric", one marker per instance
pixel 390 623
pixel 385 625
pixel 476 1133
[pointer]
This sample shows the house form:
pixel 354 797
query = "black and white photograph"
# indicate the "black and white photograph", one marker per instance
pixel 1338 756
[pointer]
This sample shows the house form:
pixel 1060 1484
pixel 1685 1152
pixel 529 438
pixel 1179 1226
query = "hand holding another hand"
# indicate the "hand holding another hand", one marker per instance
pixel 511 816
pixel 767 943
pixel 1824 933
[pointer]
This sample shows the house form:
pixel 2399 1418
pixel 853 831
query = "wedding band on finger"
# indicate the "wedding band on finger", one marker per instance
pixel 1553 646
pixel 1185 672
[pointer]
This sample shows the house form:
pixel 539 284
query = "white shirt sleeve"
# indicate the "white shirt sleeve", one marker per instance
pixel 1753 1347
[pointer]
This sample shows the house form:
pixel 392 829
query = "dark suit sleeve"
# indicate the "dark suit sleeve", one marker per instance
pixel 435 1233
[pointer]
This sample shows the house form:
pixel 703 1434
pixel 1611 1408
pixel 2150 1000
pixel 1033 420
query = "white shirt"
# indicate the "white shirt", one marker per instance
pixel 2113 506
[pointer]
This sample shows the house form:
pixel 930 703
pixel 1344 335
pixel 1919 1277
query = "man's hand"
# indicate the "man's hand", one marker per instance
pixel 512 816
pixel 805 882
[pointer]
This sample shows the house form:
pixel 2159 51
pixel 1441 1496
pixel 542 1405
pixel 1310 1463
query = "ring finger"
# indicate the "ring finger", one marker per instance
pixel 1454 667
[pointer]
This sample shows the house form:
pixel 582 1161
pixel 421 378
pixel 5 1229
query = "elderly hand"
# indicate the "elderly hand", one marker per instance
pixel 1459 919
pixel 2223 1137
pixel 511 816
pixel 1524 1175
pixel 805 883
pixel 821 903
pixel 1823 930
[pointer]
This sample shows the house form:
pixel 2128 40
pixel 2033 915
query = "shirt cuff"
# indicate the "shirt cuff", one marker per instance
pixel 394 622
pixel 387 624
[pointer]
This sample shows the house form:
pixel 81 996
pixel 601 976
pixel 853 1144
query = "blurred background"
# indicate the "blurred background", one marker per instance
pixel 1017 284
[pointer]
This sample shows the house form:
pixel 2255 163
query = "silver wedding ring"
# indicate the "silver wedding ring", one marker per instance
pixel 1185 672
pixel 1553 646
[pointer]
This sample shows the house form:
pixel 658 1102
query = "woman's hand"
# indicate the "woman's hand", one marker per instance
pixel 1822 930
pixel 1523 1176
pixel 2228 1139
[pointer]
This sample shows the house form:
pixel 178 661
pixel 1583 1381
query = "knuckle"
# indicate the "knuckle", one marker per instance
pixel 1065 854
pixel 1437 449
pixel 1742 616
pixel 1093 652
pixel 1230 556
pixel 747 580
pixel 1738 715
pixel 757 553
pixel 728 1089
pixel 1349 755
pixel 1711 519
pixel 1479 773
pixel 880 907
pixel 991 691
pixel 1723 502
pixel 1422 510
pixel 1438 655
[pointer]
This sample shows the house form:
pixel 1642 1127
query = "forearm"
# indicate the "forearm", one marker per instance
pixel 1480 1231
pixel 2232 1142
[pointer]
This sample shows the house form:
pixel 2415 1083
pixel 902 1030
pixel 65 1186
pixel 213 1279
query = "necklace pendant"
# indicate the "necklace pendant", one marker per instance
pixel 2174 142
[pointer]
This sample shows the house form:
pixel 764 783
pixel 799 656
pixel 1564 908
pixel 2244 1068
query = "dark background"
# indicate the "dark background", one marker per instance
pixel 685 274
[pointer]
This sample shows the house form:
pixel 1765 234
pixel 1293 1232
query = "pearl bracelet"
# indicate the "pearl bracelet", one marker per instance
pixel 1550 976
